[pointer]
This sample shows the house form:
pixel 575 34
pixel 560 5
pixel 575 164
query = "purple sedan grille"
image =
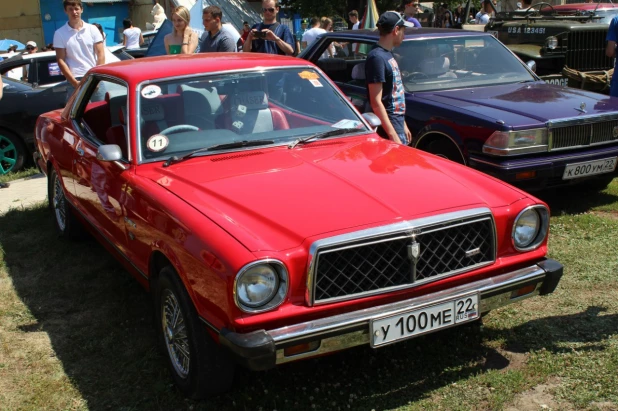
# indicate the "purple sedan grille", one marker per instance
pixel 583 135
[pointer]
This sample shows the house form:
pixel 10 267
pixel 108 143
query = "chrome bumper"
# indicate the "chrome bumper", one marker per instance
pixel 264 349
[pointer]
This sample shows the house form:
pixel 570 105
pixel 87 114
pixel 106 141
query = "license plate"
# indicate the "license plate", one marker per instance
pixel 423 320
pixel 589 168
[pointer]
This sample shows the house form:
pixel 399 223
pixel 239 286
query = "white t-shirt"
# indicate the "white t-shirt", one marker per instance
pixel 132 36
pixel 312 34
pixel 231 31
pixel 356 25
pixel 79 47
pixel 481 18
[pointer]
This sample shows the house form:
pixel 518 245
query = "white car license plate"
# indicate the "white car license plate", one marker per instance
pixel 589 168
pixel 424 320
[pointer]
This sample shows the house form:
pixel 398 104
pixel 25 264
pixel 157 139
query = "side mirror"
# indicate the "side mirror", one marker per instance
pixel 110 152
pixel 531 65
pixel 372 119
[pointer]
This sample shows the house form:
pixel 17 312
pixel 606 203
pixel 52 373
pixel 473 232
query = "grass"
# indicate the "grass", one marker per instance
pixel 5 178
pixel 76 333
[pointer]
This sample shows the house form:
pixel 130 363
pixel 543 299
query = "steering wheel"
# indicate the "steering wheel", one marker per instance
pixel 532 9
pixel 179 127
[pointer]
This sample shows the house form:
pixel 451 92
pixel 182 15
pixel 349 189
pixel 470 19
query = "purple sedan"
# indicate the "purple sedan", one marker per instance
pixel 471 100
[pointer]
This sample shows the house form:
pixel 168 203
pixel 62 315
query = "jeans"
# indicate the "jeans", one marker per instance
pixel 98 95
pixel 398 123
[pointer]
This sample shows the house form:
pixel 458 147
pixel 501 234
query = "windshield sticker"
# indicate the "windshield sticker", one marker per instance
pixel 347 124
pixel 157 143
pixel 316 83
pixel 151 91
pixel 308 75
pixel 238 125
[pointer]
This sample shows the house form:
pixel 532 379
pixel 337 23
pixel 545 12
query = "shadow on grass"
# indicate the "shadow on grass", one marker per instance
pixel 99 322
pixel 576 199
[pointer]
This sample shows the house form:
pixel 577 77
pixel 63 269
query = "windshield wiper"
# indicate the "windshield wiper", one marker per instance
pixel 324 134
pixel 225 146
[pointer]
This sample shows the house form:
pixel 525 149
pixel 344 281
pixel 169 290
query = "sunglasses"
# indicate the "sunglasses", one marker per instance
pixel 29 48
pixel 269 9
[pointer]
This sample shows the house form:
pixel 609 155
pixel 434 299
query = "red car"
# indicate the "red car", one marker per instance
pixel 268 219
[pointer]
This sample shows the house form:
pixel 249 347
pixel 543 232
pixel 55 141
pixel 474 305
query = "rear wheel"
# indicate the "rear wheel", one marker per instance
pixel 12 152
pixel 199 366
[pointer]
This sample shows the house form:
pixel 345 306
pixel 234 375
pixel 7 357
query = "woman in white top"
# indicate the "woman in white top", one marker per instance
pixel 132 35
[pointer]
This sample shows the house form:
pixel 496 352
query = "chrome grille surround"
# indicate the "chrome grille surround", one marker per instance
pixel 584 131
pixel 377 260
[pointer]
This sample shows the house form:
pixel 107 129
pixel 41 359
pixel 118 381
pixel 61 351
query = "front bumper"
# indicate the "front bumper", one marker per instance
pixel 548 168
pixel 261 350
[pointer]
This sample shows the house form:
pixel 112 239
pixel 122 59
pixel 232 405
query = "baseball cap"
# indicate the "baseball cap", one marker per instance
pixel 389 19
pixel 31 43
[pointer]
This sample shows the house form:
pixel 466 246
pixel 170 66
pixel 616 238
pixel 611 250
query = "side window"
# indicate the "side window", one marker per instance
pixel 345 57
pixel 102 114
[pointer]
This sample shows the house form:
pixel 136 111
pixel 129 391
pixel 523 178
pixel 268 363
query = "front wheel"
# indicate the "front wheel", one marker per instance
pixel 199 366
pixel 12 152
pixel 66 223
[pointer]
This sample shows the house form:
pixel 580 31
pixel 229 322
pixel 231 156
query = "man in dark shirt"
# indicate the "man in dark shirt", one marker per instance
pixel 270 36
pixel 384 86
pixel 214 39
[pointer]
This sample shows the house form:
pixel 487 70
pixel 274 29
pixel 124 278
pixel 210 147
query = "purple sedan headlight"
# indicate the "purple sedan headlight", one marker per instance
pixel 509 143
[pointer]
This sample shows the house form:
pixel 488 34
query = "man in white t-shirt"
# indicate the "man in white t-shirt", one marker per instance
pixel 353 16
pixel 482 17
pixel 79 45
pixel 311 34
pixel 132 35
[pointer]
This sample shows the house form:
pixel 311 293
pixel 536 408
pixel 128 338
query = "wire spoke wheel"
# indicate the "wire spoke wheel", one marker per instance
pixel 58 203
pixel 175 333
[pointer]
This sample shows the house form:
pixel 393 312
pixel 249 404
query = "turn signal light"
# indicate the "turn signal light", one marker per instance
pixel 301 348
pixel 523 291
pixel 525 175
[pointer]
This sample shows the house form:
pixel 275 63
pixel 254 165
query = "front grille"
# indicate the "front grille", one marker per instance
pixel 586 51
pixel 583 135
pixel 353 269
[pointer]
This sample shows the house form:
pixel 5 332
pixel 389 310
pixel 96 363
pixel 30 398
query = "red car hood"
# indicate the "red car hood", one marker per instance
pixel 273 199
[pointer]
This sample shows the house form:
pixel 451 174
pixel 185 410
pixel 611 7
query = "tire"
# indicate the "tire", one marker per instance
pixel 199 366
pixel 12 152
pixel 445 149
pixel 65 221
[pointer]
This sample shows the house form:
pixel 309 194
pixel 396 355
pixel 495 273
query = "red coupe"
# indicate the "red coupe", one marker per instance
pixel 268 219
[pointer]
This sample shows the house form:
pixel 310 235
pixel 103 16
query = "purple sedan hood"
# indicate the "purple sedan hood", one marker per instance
pixel 524 105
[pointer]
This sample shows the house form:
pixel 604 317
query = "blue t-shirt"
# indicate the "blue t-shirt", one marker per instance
pixel 266 46
pixel 612 33
pixel 413 21
pixel 381 67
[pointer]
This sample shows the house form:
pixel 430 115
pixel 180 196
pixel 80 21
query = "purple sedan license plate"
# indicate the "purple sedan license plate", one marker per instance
pixel 423 320
pixel 589 168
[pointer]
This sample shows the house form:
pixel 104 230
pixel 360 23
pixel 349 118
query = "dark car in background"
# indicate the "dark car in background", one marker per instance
pixel 469 99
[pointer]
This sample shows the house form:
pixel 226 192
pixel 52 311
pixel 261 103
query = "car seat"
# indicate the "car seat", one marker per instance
pixel 249 113
pixel 200 106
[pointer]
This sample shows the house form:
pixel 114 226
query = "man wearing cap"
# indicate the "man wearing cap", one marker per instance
pixel 384 86
pixel 299 35
pixel 411 9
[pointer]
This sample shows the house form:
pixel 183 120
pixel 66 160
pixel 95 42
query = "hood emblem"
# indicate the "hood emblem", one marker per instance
pixel 582 108
pixel 414 251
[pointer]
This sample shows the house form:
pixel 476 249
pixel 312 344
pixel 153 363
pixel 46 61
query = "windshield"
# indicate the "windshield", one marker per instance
pixel 457 62
pixel 279 105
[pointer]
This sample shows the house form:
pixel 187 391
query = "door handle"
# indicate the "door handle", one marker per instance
pixel 79 151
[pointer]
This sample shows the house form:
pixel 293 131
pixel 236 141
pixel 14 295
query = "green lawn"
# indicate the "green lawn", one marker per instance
pixel 5 178
pixel 76 332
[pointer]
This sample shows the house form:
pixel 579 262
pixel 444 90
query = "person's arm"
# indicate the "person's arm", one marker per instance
pixel 610 50
pixel 227 45
pixel 189 42
pixel 166 44
pixel 285 44
pixel 141 38
pixel 61 55
pixel 375 99
pixel 124 39
pixel 99 50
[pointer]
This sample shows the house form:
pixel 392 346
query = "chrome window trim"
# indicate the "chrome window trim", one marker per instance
pixel 140 158
pixel 402 228
pixel 543 229
pixel 283 281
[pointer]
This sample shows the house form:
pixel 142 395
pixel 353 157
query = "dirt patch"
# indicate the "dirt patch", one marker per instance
pixel 606 214
pixel 504 360
pixel 605 406
pixel 539 398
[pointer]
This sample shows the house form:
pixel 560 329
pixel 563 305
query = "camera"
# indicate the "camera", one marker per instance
pixel 259 35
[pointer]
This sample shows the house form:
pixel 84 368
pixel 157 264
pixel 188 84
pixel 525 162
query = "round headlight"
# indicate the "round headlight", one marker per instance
pixel 257 285
pixel 551 42
pixel 526 228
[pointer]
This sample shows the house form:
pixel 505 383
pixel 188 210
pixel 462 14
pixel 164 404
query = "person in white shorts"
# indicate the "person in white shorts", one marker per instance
pixel 79 46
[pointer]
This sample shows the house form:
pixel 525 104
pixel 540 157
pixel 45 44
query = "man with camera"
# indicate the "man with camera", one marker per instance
pixel 270 36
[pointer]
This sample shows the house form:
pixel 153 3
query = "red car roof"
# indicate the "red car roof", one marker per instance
pixel 180 65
